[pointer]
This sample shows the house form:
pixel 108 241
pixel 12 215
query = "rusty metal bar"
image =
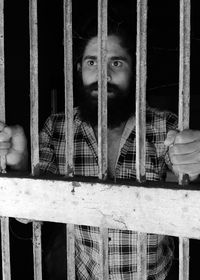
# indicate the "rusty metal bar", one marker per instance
pixel 68 71
pixel 184 65
pixel 34 120
pixel 34 130
pixel 2 64
pixel 184 113
pixel 142 256
pixel 37 251
pixel 103 252
pixel 184 72
pixel 69 148
pixel 184 259
pixel 141 89
pixel 5 236
pixel 70 252
pixel 102 89
pixel 5 248
pixel 2 79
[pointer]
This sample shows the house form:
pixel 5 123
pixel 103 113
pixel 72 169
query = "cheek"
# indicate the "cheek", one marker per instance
pixel 89 77
pixel 123 80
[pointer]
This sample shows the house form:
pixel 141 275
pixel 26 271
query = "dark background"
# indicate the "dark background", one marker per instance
pixel 162 78
pixel 163 53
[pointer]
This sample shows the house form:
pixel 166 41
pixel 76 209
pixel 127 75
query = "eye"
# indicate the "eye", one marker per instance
pixel 91 62
pixel 116 63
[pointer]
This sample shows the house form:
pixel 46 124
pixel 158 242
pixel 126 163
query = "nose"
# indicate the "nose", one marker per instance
pixel 108 78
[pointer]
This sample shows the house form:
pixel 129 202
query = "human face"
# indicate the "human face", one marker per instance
pixel 119 66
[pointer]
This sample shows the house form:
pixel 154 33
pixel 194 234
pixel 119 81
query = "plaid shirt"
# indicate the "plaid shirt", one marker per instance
pixel 122 243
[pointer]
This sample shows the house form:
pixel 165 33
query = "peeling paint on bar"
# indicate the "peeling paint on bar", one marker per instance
pixel 184 65
pixel 141 121
pixel 2 79
pixel 184 258
pixel 102 89
pixel 34 120
pixel 69 144
pixel 70 252
pixel 37 250
pixel 2 64
pixel 141 89
pixel 103 243
pixel 5 248
pixel 141 256
pixel 5 237
pixel 184 114
pixel 184 73
pixel 68 71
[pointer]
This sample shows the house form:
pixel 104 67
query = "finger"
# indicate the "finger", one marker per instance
pixel 4 136
pixel 24 221
pixel 187 148
pixel 187 136
pixel 8 131
pixel 5 145
pixel 4 148
pixel 2 125
pixel 18 139
pixel 193 170
pixel 171 135
pixel 192 158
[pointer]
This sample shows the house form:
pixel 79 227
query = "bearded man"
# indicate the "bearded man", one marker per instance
pixel 183 155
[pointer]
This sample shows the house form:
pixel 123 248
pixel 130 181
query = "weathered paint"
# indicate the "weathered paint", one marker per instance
pixel 141 89
pixel 68 71
pixel 33 26
pixel 102 89
pixel 5 248
pixel 155 210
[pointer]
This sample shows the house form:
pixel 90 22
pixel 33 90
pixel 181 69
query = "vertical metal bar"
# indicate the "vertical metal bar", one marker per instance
pixel 141 89
pixel 68 71
pixel 184 114
pixel 183 258
pixel 102 122
pixel 2 79
pixel 2 63
pixel 70 252
pixel 37 252
pixel 33 25
pixel 141 256
pixel 34 121
pixel 69 116
pixel 184 72
pixel 5 249
pixel 184 65
pixel 5 237
pixel 102 88
pixel 103 252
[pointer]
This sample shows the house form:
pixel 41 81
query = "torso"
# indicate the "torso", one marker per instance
pixel 114 139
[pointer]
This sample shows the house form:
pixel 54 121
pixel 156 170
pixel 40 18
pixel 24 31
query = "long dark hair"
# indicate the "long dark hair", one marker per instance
pixel 121 29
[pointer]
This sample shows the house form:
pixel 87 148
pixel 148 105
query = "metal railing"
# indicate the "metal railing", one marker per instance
pixel 171 211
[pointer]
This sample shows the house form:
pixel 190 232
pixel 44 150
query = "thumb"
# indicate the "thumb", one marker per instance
pixel 171 135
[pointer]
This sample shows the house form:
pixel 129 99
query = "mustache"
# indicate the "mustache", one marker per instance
pixel 94 86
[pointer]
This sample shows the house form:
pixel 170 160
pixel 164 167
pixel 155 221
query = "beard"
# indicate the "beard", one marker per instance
pixel 119 107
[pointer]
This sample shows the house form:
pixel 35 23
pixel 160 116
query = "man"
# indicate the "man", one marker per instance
pixel 182 156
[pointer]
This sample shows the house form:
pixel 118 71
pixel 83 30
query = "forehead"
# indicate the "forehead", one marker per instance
pixel 114 47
